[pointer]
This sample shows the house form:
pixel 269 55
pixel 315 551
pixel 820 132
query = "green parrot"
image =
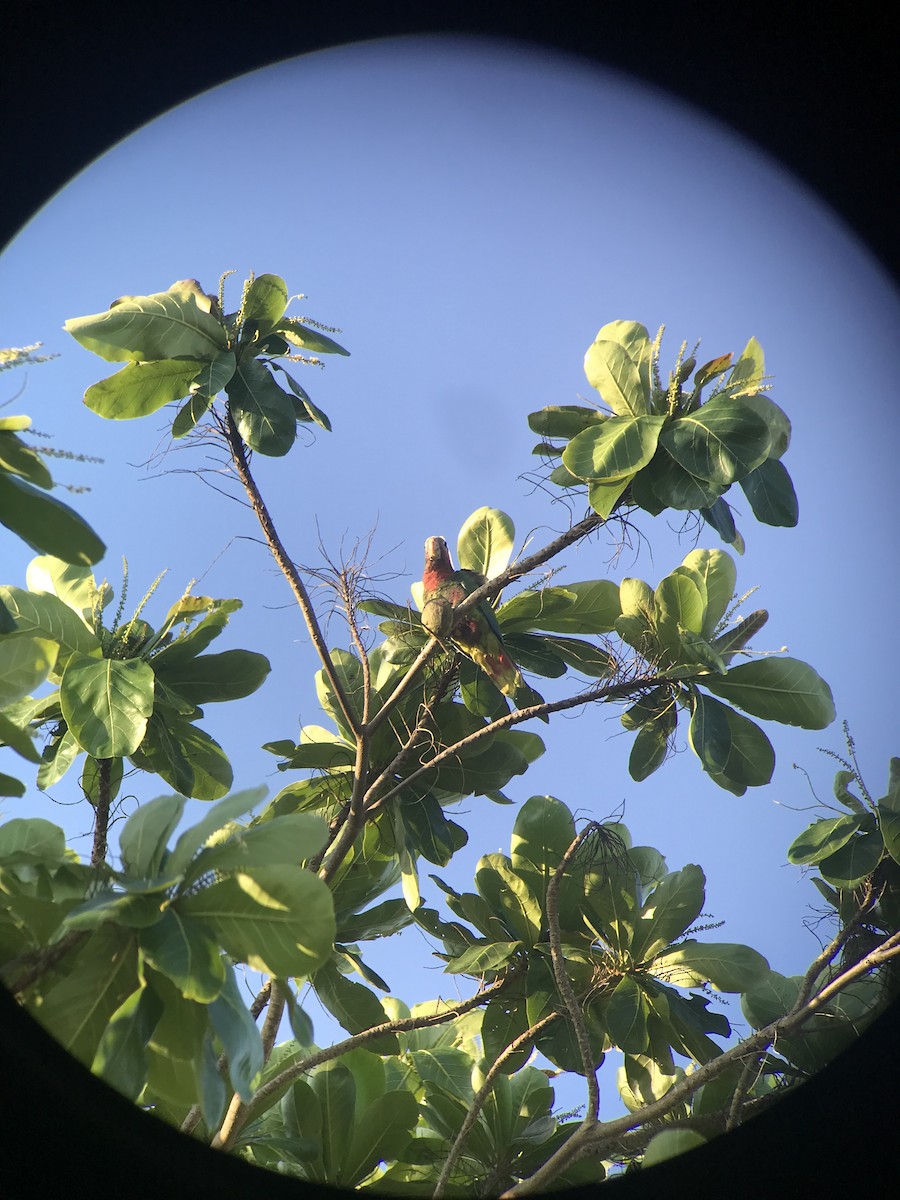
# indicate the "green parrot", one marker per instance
pixel 477 635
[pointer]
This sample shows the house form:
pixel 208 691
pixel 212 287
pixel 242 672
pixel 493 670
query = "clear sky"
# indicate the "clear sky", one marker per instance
pixel 470 214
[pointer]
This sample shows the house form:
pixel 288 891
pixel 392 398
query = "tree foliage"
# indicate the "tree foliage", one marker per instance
pixel 576 942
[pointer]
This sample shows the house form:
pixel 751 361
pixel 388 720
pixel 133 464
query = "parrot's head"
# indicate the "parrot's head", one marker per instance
pixel 437 555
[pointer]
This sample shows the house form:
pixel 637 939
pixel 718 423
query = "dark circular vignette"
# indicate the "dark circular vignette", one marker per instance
pixel 816 89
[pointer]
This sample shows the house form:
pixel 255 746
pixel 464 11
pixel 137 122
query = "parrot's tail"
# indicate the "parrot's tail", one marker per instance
pixel 502 670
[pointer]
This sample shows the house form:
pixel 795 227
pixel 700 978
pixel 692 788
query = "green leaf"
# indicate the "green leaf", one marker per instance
pixel 718 515
pixel 40 614
pixel 380 1134
pixel 748 372
pixel 821 839
pixel 603 497
pixel 164 325
pixel 299 334
pixel 592 608
pixel 263 413
pixel 383 920
pixel 679 601
pixel 671 486
pixel 239 1035
pixel 854 861
pixel 279 920
pixel 617 448
pixel 15 736
pixel 46 524
pixel 107 703
pixel 531 652
pixel 845 796
pixel 485 542
pixel 612 372
pixel 673 905
pixel 888 809
pixel 770 998
pixel 144 835
pixel 121 1057
pixel 774 417
pixel 709 733
pixel 585 657
pixel 778 689
pixel 722 441
pixel 626 1017
pixel 544 829
pixel 353 1006
pixel 189 643
pixel 532 609
pixel 509 897
pixel 59 754
pixel 265 301
pixel 564 420
pixel 505 1018
pixel 719 575
pixel 212 377
pixel 185 757
pixel 77 1010
pixel 25 662
pixel 181 950
pixel 751 759
pixel 285 839
pixel 31 840
pixel 670 1143
pixel 729 967
pixel 141 388
pixel 648 752
pixel 218 815
pixel 212 678
pixel 304 409
pixel 771 494
pixel 18 459
pixel 482 957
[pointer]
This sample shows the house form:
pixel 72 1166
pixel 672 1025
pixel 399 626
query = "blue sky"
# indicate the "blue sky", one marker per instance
pixel 470 213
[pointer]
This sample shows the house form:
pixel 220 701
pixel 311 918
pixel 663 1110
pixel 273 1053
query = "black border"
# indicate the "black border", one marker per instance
pixel 814 85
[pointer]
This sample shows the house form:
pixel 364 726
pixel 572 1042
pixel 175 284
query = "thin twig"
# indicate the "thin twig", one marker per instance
pixel 258 1102
pixel 288 569
pixel 482 1094
pixel 596 692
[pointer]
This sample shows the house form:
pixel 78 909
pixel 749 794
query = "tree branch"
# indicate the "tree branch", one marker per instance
pixel 287 567
pixel 482 1094
pixel 258 1102
pixel 35 963
pixel 101 818
pixel 596 692
pixel 598 1139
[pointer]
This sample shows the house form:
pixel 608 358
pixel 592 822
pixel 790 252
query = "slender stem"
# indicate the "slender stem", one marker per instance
pixel 288 568
pixel 482 1094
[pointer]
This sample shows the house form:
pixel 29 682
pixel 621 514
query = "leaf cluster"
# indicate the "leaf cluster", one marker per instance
pixel 661 447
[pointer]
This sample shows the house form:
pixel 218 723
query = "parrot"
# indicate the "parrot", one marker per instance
pixel 477 635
